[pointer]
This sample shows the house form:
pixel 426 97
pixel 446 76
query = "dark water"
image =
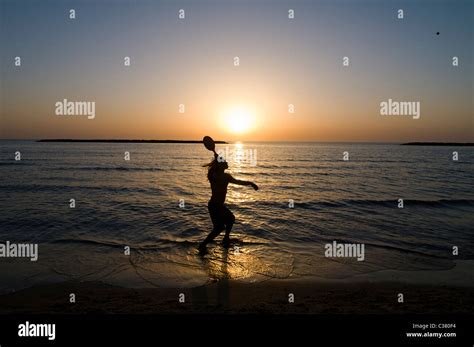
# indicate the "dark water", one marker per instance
pixel 136 203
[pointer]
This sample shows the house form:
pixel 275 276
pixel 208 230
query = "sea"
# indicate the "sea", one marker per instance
pixel 133 214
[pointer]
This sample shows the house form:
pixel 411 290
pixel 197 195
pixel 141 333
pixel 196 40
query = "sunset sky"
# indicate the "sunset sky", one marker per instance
pixel 282 62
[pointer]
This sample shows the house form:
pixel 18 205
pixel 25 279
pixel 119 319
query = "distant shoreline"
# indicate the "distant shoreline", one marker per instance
pixel 437 144
pixel 127 141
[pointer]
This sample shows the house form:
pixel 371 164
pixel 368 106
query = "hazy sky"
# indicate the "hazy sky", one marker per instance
pixel 282 62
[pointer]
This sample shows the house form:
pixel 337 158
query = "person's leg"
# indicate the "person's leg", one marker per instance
pixel 215 211
pixel 212 235
pixel 229 223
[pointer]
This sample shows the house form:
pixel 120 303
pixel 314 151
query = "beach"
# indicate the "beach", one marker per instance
pixel 230 171
pixel 235 297
pixel 130 242
pixel 431 293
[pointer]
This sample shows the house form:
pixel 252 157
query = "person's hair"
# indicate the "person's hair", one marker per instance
pixel 212 168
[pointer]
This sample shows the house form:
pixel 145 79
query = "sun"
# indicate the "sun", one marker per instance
pixel 239 119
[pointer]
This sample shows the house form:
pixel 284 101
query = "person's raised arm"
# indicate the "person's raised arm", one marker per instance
pixel 241 182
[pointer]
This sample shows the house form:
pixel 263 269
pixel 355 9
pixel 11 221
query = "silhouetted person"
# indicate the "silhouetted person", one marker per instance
pixel 221 216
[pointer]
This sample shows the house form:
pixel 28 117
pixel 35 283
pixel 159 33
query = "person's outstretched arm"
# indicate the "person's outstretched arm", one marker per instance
pixel 241 182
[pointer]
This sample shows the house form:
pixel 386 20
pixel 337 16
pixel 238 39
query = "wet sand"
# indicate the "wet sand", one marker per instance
pixel 228 296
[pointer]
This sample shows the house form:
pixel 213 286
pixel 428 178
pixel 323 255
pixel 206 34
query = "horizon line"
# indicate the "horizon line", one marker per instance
pixel 233 142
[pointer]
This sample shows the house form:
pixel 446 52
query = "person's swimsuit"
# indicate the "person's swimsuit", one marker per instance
pixel 220 215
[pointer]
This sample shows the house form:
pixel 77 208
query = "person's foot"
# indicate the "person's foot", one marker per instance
pixel 226 242
pixel 202 248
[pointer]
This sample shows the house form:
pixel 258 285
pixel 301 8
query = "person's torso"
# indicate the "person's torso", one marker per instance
pixel 219 189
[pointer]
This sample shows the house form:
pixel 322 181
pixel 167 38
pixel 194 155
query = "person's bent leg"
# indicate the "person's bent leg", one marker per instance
pixel 228 228
pixel 212 235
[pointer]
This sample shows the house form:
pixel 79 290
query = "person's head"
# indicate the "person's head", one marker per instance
pixel 216 167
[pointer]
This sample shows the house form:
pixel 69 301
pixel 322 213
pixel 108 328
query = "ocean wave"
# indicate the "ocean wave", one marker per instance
pixel 408 251
pixel 16 163
pixel 148 246
pixel 108 168
pixel 441 203
pixel 61 188
pixel 317 163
